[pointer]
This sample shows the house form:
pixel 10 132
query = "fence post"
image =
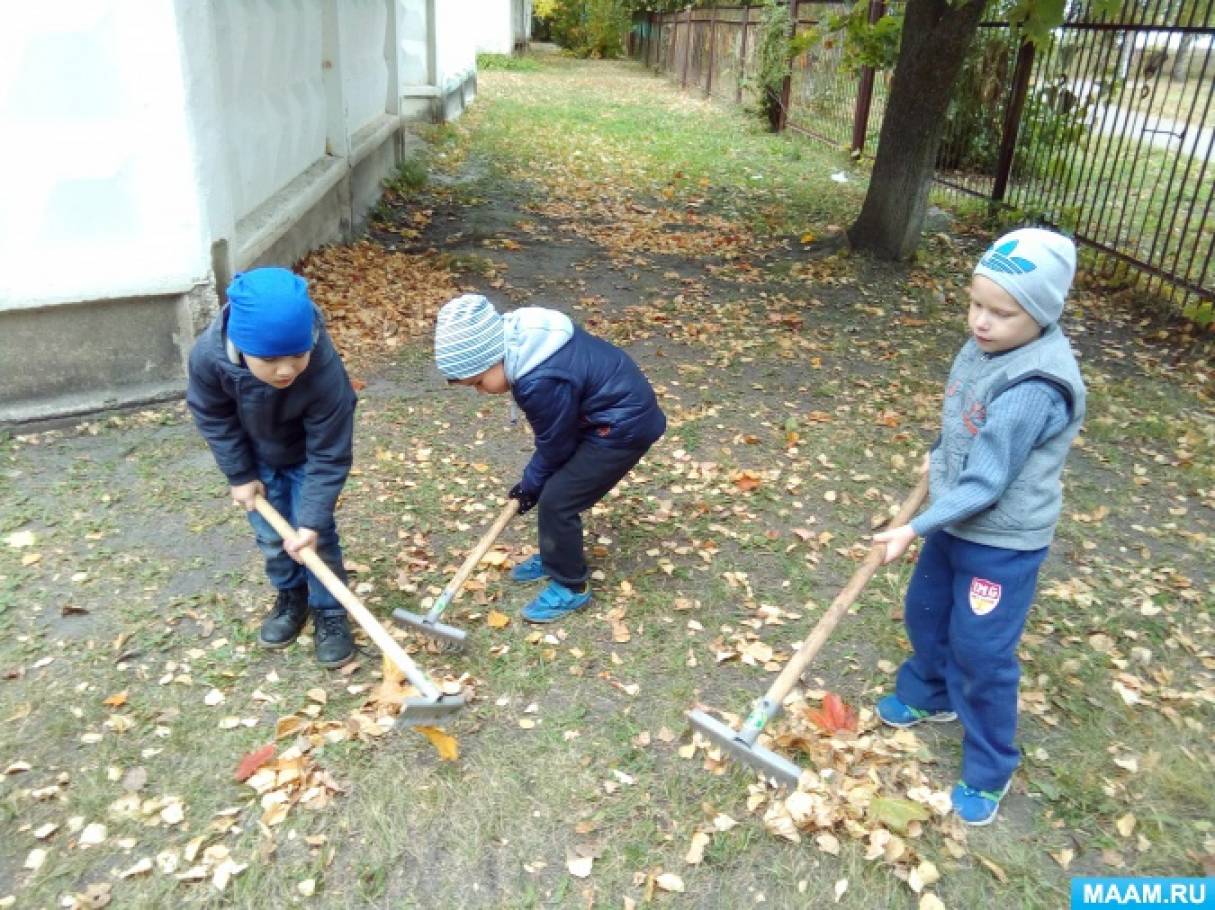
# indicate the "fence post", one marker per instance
pixel 786 89
pixel 1012 119
pixel 742 53
pixel 687 49
pixel 864 92
pixel 712 51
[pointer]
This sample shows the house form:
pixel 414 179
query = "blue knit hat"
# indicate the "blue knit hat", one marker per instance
pixel 270 313
pixel 1036 267
pixel 469 337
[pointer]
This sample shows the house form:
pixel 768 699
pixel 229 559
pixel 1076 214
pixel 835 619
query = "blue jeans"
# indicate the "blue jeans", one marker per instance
pixel 965 610
pixel 283 487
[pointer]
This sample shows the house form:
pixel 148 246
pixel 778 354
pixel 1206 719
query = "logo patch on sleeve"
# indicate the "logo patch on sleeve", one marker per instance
pixel 984 595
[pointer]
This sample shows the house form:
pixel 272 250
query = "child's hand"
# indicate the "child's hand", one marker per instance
pixel 305 537
pixel 526 500
pixel 243 494
pixel 897 540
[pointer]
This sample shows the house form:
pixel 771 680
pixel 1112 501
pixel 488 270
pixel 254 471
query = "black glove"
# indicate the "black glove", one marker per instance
pixel 526 500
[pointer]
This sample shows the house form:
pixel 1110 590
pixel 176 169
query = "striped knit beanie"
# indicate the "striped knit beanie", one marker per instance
pixel 1036 267
pixel 469 338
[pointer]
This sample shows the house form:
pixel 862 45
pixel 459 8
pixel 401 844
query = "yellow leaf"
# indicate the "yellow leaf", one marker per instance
pixel 497 619
pixel 117 700
pixel 445 744
pixel 696 852
pixel 1126 824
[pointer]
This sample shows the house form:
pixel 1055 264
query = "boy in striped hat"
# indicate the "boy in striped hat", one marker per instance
pixel 593 413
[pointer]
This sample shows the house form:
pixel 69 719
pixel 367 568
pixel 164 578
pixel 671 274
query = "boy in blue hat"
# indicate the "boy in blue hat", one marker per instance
pixel 271 397
pixel 1013 404
pixel 593 413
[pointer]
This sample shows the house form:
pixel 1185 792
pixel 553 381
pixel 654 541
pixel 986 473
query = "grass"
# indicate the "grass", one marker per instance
pixel 845 354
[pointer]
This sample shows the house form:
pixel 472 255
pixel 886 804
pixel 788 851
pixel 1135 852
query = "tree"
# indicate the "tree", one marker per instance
pixel 936 35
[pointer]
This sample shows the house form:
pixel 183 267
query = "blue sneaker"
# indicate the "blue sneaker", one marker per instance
pixel 531 569
pixel 894 713
pixel 977 807
pixel 554 602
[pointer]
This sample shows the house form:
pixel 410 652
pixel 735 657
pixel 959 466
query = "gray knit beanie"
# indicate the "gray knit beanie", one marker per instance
pixel 469 337
pixel 1036 267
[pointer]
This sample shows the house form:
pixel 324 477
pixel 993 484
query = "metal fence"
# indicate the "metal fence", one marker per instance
pixel 1108 133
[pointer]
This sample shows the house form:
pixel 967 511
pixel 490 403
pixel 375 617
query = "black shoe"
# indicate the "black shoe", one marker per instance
pixel 334 643
pixel 286 620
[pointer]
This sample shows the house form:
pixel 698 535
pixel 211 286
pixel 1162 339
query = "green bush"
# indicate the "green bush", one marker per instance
pixel 592 28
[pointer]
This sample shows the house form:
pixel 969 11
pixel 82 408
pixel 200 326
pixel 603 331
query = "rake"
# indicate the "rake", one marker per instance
pixel 429 624
pixel 433 705
pixel 741 744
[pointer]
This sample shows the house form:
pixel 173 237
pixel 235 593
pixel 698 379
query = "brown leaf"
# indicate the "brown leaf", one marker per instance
pixel 252 761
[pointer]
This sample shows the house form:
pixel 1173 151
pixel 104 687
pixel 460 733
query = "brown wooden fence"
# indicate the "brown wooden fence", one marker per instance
pixel 1107 134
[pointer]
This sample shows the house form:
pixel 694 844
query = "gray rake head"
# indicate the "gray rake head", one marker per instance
pixel 731 741
pixel 448 635
pixel 426 713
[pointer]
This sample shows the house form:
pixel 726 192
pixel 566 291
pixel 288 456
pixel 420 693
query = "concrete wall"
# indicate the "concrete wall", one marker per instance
pixel 153 149
pixel 501 26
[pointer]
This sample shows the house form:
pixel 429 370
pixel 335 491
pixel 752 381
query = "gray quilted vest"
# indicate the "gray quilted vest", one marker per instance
pixel 1024 518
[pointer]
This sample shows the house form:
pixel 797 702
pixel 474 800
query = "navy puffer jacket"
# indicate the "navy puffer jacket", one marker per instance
pixel 246 421
pixel 589 391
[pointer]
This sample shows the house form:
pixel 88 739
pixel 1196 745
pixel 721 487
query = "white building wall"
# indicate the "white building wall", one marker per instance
pixel 152 148
pixel 97 171
pixel 272 94
pixel 364 61
pixel 493 26
pixel 456 51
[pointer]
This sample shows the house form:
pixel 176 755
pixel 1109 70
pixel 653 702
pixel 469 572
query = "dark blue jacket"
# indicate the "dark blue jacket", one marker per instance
pixel 587 391
pixel 246 421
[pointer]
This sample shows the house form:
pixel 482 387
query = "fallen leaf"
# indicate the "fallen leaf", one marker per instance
pixel 117 700
pixel 445 744
pixel 696 852
pixel 92 835
pixel 930 901
pixel 896 814
pixel 840 887
pixel 496 619
pixel 669 881
pixel 994 869
pixel 578 866
pixel 19 539
pixel 1126 824
pixel 834 717
pixel 252 761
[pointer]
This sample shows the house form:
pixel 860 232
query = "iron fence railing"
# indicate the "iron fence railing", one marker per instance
pixel 1107 133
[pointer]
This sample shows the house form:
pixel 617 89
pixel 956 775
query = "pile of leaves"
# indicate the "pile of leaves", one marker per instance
pixel 859 782
pixel 375 300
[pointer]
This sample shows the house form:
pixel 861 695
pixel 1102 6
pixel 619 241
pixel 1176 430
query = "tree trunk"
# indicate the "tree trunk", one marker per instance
pixel 936 36
pixel 1181 63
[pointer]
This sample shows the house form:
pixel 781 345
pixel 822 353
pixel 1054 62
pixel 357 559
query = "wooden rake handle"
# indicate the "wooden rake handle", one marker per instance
pixel 376 632
pixel 845 599
pixel 470 563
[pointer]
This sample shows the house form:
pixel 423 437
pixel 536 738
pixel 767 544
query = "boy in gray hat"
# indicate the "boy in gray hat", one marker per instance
pixel 1013 404
pixel 593 413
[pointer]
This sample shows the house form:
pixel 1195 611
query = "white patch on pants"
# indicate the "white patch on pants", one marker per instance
pixel 984 595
